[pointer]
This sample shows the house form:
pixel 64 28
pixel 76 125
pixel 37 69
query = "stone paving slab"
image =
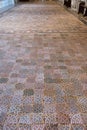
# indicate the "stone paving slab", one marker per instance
pixel 43 69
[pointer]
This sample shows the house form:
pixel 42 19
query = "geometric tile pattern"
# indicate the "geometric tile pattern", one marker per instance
pixel 43 69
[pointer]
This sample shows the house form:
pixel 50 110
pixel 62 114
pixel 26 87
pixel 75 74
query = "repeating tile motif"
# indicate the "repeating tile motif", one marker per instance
pixel 43 69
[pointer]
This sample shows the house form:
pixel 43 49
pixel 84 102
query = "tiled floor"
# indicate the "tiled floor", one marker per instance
pixel 43 69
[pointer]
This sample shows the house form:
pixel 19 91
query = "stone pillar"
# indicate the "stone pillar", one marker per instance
pixel 75 4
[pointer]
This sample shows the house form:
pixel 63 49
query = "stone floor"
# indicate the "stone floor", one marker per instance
pixel 43 69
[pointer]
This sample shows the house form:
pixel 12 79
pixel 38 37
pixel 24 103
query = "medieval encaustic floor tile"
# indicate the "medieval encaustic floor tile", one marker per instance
pixel 43 68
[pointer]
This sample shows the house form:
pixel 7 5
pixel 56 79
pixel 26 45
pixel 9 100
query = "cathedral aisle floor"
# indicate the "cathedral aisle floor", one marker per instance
pixel 43 69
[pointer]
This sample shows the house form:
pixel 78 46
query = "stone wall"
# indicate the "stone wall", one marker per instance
pixel 61 1
pixel 5 5
pixel 74 4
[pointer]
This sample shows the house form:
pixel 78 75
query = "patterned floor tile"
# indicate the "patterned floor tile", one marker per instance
pixel 76 119
pixel 78 127
pixel 49 100
pixel 12 119
pixel 49 108
pixel 63 118
pixel 16 100
pixel 25 120
pixel 37 118
pixel 50 119
pixel 43 68
pixel 14 109
pixel 28 100
pixel 37 108
pixel 24 127
pixel 37 127
pixel 8 127
pixel 38 98
pixel 64 127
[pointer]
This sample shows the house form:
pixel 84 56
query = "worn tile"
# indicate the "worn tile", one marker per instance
pixel 3 80
pixel 49 108
pixel 19 86
pixel 50 119
pixel 63 118
pixel 84 118
pixel 77 127
pixel 27 108
pixel 64 127
pixel 2 117
pixel 37 118
pixel 38 127
pixel 12 119
pixel 14 109
pixel 8 127
pixel 37 108
pixel 76 119
pixel 27 127
pixel 51 127
pixel 43 68
pixel 25 119
pixel 28 92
